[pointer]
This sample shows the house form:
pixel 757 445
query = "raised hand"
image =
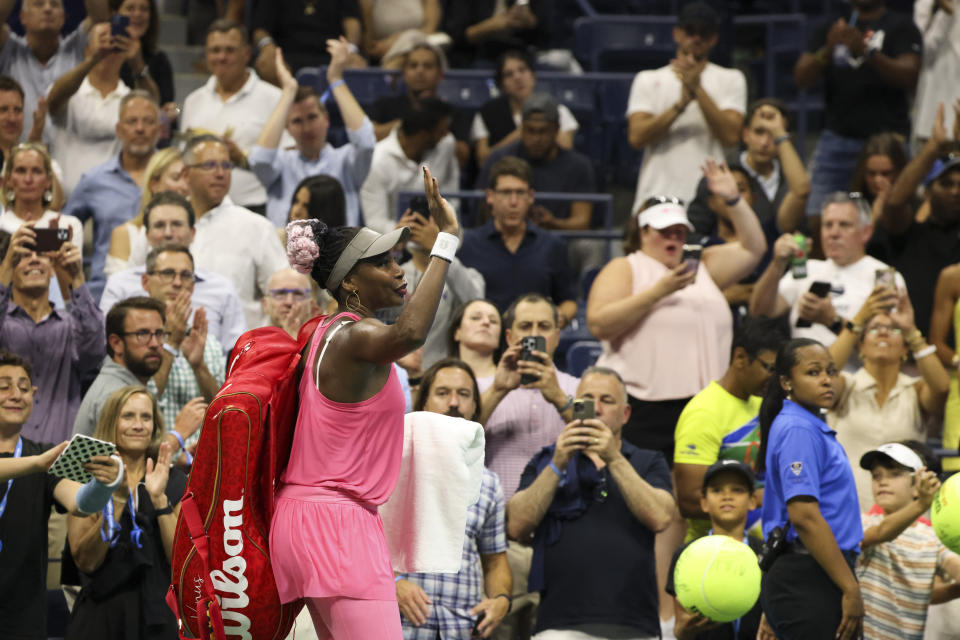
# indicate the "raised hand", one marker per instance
pixel 178 312
pixel 339 51
pixel 938 133
pixel 155 480
pixel 720 180
pixel 192 346
pixel 190 417
pixel 927 484
pixel 68 262
pixel 440 210
pixel 286 79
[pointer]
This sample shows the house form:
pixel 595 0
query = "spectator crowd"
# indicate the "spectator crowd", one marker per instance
pixel 143 232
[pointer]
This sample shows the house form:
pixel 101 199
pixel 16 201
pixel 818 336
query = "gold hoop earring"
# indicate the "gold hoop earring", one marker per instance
pixel 351 305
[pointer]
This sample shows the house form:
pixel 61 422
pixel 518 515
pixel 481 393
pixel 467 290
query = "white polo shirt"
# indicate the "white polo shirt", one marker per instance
pixel 392 171
pixel 244 248
pixel 85 132
pixel 243 115
pixel 671 164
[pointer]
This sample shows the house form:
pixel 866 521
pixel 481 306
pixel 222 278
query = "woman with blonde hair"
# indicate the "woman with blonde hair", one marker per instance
pixel 128 242
pixel 123 552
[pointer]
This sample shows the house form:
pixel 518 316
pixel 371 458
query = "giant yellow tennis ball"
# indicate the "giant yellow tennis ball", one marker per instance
pixel 718 577
pixel 945 513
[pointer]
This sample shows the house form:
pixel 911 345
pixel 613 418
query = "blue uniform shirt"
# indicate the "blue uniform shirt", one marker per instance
pixel 805 459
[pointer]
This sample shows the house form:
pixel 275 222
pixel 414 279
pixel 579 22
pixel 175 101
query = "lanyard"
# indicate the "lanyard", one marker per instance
pixel 113 527
pixel 3 503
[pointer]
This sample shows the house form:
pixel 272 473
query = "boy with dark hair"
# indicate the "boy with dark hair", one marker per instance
pixel 902 562
pixel 727 496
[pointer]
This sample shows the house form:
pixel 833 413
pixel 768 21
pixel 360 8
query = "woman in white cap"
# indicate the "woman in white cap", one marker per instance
pixel 326 540
pixel 879 403
pixel 665 325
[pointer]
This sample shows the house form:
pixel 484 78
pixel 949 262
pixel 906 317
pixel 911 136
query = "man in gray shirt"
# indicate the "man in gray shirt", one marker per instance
pixel 40 56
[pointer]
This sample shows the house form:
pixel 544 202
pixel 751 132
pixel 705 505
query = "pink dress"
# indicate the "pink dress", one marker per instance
pixel 326 537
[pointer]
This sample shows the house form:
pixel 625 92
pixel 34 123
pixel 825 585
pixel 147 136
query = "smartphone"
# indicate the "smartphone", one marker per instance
pixel 583 409
pixel 820 289
pixel 50 239
pixel 528 345
pixel 476 624
pixel 119 24
pixel 885 278
pixel 691 256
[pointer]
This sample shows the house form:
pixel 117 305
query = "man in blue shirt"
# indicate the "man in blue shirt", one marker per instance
pixel 110 193
pixel 305 118
pixel 513 255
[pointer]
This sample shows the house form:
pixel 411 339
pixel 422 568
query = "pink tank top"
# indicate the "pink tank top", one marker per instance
pixel 680 345
pixel 354 448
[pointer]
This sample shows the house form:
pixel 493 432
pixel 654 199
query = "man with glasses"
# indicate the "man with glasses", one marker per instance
pixel 723 407
pixel 288 303
pixel 686 111
pixel 230 240
pixel 234 104
pixel 920 250
pixel 168 219
pixel 848 275
pixel 109 194
pixel 65 345
pixel 593 559
pixel 514 255
pixel 135 338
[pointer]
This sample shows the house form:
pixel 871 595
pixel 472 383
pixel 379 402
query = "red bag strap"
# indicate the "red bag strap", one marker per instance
pixel 209 619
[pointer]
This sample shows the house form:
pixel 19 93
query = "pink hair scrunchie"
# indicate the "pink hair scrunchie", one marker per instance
pixel 302 249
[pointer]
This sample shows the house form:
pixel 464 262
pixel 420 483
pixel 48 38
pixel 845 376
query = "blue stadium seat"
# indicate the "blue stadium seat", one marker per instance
pixel 580 94
pixel 582 354
pixel 624 43
pixel 466 88
pixel 622 160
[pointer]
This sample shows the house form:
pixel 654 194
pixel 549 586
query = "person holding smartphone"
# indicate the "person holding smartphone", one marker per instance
pixel 592 504
pixel 810 590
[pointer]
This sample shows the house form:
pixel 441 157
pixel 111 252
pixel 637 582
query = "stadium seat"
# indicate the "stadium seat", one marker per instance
pixel 467 88
pixel 582 354
pixel 624 43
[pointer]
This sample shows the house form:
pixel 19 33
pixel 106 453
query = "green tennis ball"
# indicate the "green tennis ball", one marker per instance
pixel 717 577
pixel 945 513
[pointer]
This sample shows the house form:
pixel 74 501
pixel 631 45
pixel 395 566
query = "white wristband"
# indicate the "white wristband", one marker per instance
pixel 445 246
pixel 928 350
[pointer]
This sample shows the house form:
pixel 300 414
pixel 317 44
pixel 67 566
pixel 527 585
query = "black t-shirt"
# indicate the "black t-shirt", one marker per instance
pixel 748 622
pixel 919 254
pixel 160 70
pixel 602 569
pixel 390 108
pixel 23 558
pixel 302 27
pixel 859 102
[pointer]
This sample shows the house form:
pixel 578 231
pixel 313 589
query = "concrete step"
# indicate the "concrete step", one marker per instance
pixel 173 30
pixel 185 83
pixel 185 58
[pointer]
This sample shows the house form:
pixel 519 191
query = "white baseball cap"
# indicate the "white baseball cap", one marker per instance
pixel 899 453
pixel 663 215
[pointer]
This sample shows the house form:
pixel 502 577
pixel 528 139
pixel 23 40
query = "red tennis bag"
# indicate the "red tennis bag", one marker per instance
pixel 222 581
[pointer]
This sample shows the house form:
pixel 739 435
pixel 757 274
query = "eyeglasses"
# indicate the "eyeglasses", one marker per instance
pixel 212 165
pixel 143 335
pixel 886 328
pixel 168 275
pixel 298 295
pixel 506 193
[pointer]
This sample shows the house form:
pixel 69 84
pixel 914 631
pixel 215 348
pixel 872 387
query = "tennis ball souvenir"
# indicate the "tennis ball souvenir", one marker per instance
pixel 945 513
pixel 717 577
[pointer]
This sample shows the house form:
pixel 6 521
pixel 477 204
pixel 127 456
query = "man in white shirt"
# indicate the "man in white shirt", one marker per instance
pixel 37 58
pixel 233 104
pixel 686 111
pixel 230 240
pixel 423 138
pixel 169 219
pixel 307 121
pixel 851 274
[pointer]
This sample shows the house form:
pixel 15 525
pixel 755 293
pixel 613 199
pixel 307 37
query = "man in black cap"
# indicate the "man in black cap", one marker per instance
pixel 727 497
pixel 686 111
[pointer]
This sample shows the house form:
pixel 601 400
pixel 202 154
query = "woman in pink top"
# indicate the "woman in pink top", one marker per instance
pixel 665 325
pixel 326 539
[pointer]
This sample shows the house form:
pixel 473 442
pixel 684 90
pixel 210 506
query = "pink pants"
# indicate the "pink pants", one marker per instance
pixel 352 619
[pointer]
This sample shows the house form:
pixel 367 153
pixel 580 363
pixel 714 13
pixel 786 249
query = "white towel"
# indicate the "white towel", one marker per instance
pixel 426 516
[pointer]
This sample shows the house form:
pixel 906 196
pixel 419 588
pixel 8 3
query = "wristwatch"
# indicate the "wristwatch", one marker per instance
pixel 838 325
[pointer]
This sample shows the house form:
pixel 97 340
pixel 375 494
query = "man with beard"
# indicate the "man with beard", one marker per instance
pixel 110 192
pixel 135 337
pixel 450 605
